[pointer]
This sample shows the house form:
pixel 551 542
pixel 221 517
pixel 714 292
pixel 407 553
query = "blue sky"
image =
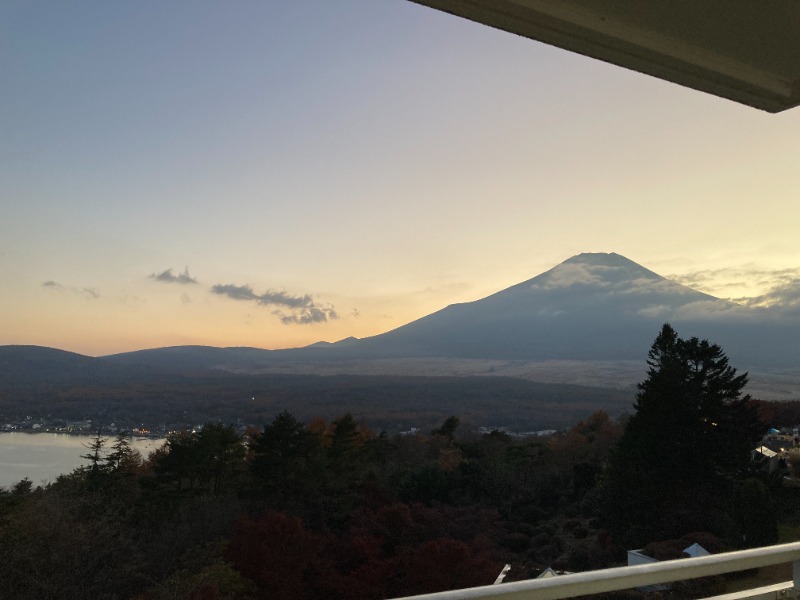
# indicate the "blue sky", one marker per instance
pixel 316 170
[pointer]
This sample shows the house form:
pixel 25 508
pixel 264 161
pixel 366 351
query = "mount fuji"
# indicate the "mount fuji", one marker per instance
pixel 591 307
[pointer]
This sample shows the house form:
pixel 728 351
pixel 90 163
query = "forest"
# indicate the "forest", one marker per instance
pixel 324 510
pixel 389 403
pixel 335 509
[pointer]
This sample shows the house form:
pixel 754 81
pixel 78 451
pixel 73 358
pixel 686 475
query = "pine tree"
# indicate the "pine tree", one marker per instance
pixel 122 458
pixel 95 455
pixel 689 440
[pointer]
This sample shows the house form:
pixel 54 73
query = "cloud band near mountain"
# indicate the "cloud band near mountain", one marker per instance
pixel 302 309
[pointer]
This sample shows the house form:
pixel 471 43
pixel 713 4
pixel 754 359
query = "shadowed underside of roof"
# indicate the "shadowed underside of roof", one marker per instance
pixel 748 52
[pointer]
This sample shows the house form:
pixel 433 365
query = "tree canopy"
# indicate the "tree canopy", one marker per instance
pixel 689 441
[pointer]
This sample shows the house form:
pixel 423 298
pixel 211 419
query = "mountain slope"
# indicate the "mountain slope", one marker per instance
pixel 593 306
pixel 590 307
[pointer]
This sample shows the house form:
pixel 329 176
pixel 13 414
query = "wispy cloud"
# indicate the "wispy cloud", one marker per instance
pixel 780 287
pixel 302 309
pixel 785 296
pixel 306 315
pixel 235 292
pixel 169 277
pixel 245 292
pixel 87 292
pixel 568 275
pixel 644 285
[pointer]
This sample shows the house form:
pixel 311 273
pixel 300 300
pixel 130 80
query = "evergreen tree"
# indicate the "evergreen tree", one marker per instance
pixel 95 455
pixel 448 428
pixel 179 462
pixel 287 463
pixel 122 458
pixel 347 467
pixel 346 443
pixel 208 459
pixel 222 455
pixel 689 440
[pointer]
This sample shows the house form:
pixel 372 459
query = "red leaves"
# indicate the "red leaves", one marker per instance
pixel 446 564
pixel 277 552
pixel 381 556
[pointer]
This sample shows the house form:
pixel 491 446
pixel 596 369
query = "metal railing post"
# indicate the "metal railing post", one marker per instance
pixel 796 574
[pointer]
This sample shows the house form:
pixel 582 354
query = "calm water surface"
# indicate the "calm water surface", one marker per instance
pixel 41 457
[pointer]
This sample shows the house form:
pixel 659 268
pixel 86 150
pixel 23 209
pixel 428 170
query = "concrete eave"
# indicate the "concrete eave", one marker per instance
pixel 748 52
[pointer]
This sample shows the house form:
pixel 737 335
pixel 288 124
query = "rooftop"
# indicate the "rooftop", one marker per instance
pixel 743 51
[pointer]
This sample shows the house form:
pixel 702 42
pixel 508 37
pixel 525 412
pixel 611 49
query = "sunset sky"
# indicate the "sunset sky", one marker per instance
pixel 273 173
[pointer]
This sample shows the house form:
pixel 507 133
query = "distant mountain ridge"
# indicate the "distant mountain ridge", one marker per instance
pixel 542 353
pixel 591 307
pixel 22 366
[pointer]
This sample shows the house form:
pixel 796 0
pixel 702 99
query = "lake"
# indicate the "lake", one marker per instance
pixel 41 457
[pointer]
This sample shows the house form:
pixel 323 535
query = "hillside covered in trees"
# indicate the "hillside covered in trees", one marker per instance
pixel 323 510
pixel 316 509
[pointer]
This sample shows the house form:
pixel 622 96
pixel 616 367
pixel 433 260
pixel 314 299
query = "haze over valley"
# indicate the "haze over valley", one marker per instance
pixel 538 355
pixel 588 320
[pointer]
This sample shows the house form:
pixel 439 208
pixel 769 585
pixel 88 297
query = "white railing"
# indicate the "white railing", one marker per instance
pixel 623 578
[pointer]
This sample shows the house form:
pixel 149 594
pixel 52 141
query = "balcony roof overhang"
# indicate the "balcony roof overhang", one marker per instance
pixel 748 52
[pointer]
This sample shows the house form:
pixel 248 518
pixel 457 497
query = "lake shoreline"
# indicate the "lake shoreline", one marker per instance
pixel 43 456
pixel 84 433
